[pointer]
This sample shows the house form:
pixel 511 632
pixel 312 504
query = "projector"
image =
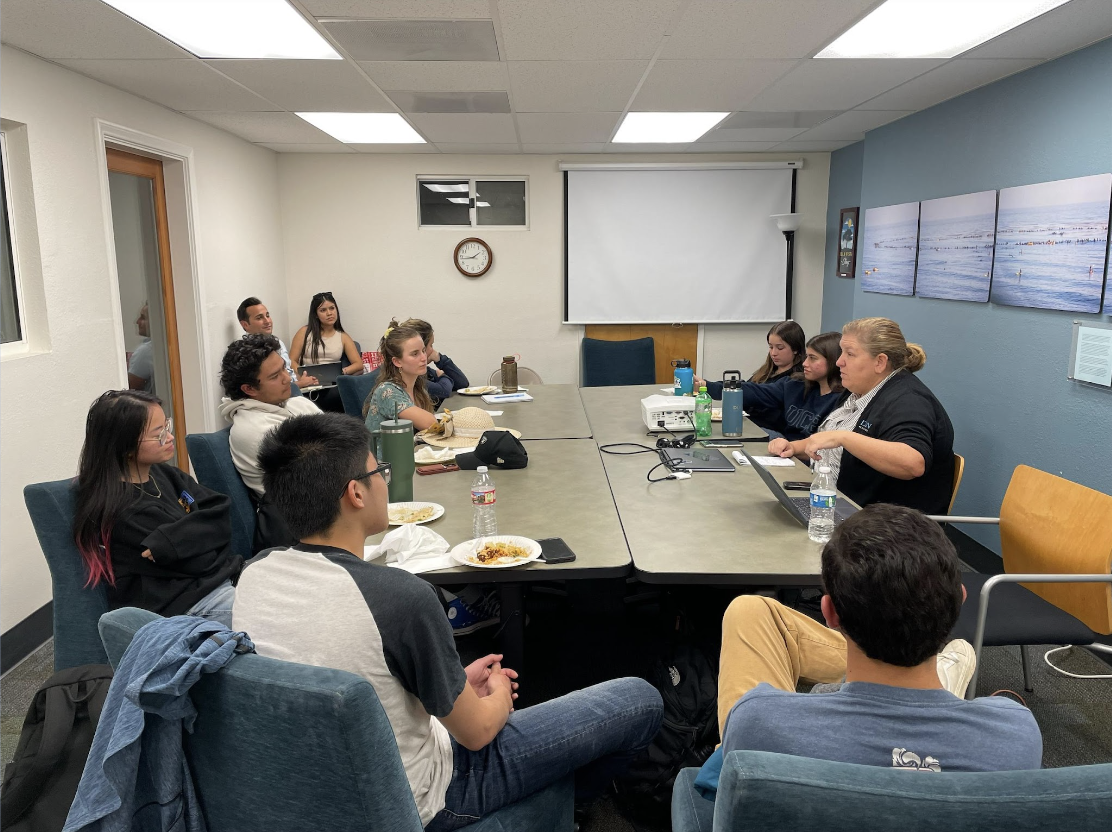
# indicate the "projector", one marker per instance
pixel 675 413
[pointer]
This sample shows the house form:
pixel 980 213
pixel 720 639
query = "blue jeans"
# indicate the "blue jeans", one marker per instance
pixel 217 605
pixel 594 732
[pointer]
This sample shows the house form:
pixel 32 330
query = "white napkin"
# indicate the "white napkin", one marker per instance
pixel 412 548
pixel 428 454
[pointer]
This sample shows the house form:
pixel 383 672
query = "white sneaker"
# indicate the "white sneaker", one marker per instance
pixel 956 664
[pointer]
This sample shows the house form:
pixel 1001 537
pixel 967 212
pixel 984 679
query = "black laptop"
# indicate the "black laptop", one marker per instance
pixel 695 459
pixel 798 507
pixel 325 374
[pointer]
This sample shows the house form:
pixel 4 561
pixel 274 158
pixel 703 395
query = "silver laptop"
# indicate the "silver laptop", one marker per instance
pixel 798 507
pixel 325 374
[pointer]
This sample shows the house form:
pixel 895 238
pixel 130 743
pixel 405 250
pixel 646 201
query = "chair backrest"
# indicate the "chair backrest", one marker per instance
pixel 610 363
pixel 959 472
pixel 211 456
pixel 314 742
pixel 354 391
pixel 1049 524
pixel 76 608
pixel 780 793
pixel 525 375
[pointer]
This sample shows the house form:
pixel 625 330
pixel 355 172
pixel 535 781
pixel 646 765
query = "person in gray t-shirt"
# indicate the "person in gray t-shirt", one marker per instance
pixel 893 592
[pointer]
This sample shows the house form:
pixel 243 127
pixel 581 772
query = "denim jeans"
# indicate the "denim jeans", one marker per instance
pixel 594 732
pixel 217 605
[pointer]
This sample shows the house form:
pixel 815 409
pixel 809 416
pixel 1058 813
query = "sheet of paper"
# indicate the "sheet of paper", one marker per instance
pixel 769 461
pixel 1094 356
pixel 495 412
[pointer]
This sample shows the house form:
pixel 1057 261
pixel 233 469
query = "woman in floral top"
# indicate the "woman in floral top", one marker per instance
pixel 399 392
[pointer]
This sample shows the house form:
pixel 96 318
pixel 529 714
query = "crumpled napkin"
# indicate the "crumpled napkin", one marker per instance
pixel 427 454
pixel 412 548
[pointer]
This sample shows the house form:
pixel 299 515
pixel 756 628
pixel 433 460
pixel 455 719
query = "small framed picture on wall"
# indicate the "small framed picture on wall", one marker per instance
pixel 847 243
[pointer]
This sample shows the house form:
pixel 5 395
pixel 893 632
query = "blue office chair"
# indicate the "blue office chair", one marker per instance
pixel 317 746
pixel 76 608
pixel 211 456
pixel 354 391
pixel 610 363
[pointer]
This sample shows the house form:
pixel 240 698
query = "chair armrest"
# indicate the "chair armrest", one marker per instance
pixel 954 518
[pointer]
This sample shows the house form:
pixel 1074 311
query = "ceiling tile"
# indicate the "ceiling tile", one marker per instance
pixel 760 29
pixel 437 76
pixel 706 86
pixel 394 148
pixel 837 84
pixel 1066 28
pixel 415 40
pixel 557 149
pixel 584 30
pixel 751 134
pixel 466 128
pixel 645 148
pixel 566 128
pixel 284 147
pixel 452 147
pixel 497 101
pixel 730 147
pixel 405 9
pixel 803 120
pixel 264 127
pixel 312 86
pixel 950 79
pixel 81 29
pixel 574 86
pixel 811 147
pixel 851 125
pixel 179 85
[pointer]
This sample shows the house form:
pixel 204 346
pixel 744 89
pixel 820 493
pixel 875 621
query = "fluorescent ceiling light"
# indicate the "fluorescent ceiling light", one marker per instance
pixel 447 189
pixel 231 28
pixel 460 200
pixel 365 128
pixel 665 128
pixel 933 28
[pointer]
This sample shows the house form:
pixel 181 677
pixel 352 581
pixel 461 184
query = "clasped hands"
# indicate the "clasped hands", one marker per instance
pixel 486 676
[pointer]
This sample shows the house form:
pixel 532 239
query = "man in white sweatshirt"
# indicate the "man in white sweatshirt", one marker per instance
pixel 256 399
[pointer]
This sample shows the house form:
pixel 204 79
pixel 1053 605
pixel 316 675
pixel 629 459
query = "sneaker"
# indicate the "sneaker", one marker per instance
pixel 956 664
pixel 467 618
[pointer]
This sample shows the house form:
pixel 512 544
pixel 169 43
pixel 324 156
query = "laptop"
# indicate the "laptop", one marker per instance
pixel 798 507
pixel 695 459
pixel 325 374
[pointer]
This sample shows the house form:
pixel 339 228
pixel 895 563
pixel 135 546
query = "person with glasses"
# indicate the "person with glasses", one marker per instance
pixel 156 537
pixel 466 751
pixel 323 340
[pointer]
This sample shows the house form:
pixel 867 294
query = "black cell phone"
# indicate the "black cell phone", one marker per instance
pixel 796 486
pixel 555 550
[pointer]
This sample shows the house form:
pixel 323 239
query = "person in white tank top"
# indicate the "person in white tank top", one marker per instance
pixel 323 340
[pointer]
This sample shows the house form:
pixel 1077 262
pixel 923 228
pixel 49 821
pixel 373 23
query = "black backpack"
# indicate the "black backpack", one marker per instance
pixel 41 780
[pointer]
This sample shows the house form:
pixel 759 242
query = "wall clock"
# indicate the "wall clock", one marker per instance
pixel 473 257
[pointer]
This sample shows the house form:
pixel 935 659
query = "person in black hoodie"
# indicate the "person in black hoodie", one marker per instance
pixel 158 538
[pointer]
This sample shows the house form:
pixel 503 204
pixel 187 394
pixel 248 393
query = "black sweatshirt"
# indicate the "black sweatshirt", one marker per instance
pixel 191 549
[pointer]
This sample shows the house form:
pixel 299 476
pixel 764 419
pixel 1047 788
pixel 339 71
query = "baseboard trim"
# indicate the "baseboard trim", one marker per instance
pixel 26 637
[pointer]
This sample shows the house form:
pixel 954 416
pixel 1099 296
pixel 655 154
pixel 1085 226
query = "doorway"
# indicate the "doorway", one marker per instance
pixel 145 275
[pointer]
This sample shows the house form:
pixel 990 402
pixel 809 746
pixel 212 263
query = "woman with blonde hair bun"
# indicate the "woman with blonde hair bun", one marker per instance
pixel 889 440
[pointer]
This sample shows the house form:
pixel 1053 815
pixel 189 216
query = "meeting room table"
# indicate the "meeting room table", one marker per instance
pixel 556 412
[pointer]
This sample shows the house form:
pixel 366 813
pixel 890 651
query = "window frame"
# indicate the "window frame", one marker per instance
pixel 471 212
pixel 23 344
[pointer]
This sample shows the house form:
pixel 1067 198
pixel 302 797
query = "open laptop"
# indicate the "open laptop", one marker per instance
pixel 798 507
pixel 325 374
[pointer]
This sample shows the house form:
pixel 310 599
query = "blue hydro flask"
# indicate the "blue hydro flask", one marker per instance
pixel 731 403
pixel 684 377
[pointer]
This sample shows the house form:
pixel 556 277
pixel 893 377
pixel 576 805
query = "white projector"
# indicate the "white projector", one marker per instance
pixel 674 413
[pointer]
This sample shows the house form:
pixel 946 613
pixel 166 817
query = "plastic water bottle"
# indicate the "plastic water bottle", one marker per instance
pixel 484 523
pixel 702 413
pixel 824 496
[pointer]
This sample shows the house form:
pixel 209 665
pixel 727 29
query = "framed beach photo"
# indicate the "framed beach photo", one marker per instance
pixel 847 243
pixel 1052 244
pixel 956 235
pixel 888 248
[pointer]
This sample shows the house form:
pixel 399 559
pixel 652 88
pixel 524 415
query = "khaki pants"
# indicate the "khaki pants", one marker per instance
pixel 764 641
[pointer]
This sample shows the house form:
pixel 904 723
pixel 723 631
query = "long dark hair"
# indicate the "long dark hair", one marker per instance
pixel 792 334
pixel 113 429
pixel 829 346
pixel 313 335
pixel 391 347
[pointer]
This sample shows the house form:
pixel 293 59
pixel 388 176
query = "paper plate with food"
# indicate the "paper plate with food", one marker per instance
pixel 716 414
pixel 496 552
pixel 402 513
pixel 478 391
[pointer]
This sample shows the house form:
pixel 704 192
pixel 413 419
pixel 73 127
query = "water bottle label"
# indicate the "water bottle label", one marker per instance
pixel 482 498
pixel 822 500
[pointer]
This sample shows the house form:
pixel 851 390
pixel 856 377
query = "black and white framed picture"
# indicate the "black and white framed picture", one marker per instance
pixel 847 243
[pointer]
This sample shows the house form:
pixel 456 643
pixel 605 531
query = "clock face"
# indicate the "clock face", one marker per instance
pixel 473 257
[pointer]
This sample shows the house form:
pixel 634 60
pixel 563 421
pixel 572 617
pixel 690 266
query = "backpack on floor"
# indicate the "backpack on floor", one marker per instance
pixel 41 780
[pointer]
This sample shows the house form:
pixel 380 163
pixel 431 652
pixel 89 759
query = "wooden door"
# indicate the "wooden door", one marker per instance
pixel 671 341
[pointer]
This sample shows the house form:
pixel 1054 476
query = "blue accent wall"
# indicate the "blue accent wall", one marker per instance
pixel 845 192
pixel 1000 371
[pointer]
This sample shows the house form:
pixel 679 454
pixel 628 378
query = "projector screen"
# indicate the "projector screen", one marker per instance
pixel 675 246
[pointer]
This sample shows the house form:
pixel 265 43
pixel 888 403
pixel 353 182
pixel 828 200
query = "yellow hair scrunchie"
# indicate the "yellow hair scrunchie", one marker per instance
pixel 386 334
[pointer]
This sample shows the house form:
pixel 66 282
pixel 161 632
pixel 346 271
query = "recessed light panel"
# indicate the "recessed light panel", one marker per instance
pixel 933 28
pixel 665 128
pixel 231 28
pixel 365 128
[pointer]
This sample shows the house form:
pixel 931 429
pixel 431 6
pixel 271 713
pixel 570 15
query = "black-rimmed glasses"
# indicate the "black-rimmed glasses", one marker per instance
pixel 383 468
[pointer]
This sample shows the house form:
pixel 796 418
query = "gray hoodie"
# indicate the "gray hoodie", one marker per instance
pixel 251 419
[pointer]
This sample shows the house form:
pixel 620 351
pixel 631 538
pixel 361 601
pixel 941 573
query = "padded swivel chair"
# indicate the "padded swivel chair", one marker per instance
pixel 316 746
pixel 211 456
pixel 611 363
pixel 76 608
pixel 354 391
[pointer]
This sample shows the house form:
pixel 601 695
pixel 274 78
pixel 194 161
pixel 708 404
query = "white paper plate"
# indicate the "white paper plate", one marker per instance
pixel 465 552
pixel 477 391
pixel 437 511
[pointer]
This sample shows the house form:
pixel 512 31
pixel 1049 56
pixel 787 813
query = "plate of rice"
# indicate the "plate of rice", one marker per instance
pixel 496 552
pixel 417 513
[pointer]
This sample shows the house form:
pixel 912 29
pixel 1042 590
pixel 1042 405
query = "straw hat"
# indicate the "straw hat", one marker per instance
pixel 462 428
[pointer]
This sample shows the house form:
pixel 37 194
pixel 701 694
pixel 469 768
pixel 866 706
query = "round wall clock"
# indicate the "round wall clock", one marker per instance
pixel 473 257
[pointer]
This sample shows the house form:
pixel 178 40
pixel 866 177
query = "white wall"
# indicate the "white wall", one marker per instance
pixel 45 395
pixel 349 225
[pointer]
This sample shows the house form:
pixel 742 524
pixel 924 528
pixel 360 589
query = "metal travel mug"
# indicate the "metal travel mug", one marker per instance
pixel 732 415
pixel 395 445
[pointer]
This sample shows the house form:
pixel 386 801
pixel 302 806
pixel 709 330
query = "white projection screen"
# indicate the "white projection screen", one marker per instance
pixel 671 246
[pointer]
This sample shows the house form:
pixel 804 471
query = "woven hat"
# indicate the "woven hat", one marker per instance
pixel 462 429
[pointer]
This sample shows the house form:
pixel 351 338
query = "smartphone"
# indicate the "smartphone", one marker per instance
pixel 439 468
pixel 721 443
pixel 555 550
pixel 796 486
